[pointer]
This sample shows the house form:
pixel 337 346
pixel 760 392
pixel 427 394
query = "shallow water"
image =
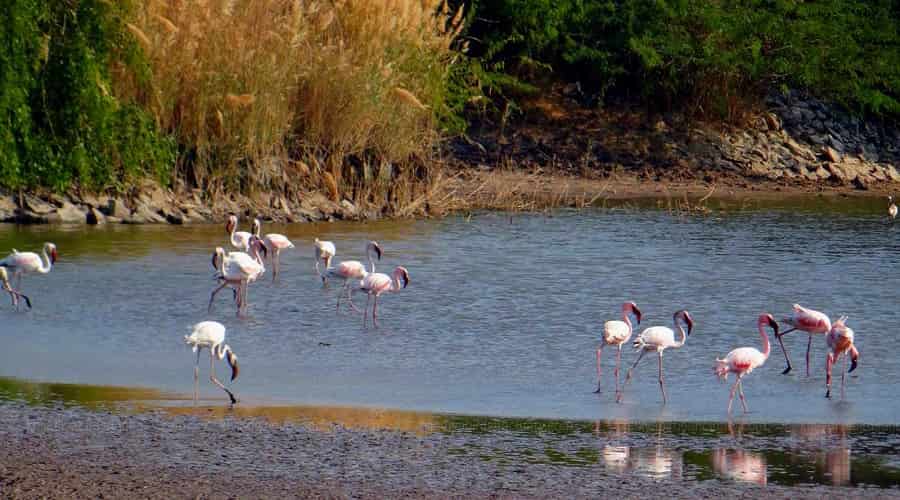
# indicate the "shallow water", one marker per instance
pixel 502 315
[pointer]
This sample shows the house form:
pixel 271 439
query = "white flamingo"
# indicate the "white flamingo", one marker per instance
pixel 237 270
pixel 375 284
pixel 325 251
pixel 238 239
pixel 354 270
pixel 21 263
pixel 211 335
pixel 617 333
pixel 658 339
pixel 275 243
pixel 743 360
pixel 14 294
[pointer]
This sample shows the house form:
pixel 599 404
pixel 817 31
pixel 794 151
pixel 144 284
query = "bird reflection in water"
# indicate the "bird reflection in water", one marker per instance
pixel 740 465
pixel 834 460
pixel 655 462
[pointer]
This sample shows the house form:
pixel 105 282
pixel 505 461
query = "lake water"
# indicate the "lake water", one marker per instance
pixel 502 315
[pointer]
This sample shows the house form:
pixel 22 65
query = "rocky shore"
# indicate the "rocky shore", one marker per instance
pixel 73 453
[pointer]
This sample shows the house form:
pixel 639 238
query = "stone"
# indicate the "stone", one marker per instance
pixel 7 207
pixel 173 216
pixel 37 206
pixel 143 214
pixel 832 155
pixel 822 174
pixel 95 216
pixel 68 214
pixel 116 207
pixel 799 150
pixel 772 122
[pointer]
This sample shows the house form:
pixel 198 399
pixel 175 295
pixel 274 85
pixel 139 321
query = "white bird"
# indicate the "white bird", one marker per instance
pixel 275 243
pixel 617 333
pixel 658 339
pixel 354 270
pixel 743 360
pixel 892 208
pixel 375 284
pixel 238 239
pixel 325 251
pixel 840 345
pixel 237 269
pixel 21 263
pixel 211 334
pixel 14 294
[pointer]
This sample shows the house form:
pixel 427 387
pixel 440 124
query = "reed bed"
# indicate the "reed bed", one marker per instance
pixel 339 96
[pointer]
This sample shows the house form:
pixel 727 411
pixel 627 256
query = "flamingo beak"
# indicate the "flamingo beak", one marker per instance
pixel 690 323
pixel 53 256
pixel 773 324
pixel 377 250
pixel 215 261
pixel 637 314
pixel 229 226
pixel 28 303
pixel 235 369
pixel 263 250
pixel 852 363
pixel 405 278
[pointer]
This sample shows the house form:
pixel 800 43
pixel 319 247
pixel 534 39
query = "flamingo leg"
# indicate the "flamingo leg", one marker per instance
pixel 275 264
pixel 618 361
pixel 731 396
pixel 741 394
pixel 18 296
pixel 628 376
pixel 829 361
pixel 808 349
pixel 213 379
pixel 599 354
pixel 197 376
pixel 18 280
pixel 784 350
pixel 350 297
pixel 340 295
pixel 662 385
pixel 212 296
pixel 366 311
pixel 843 373
pixel 375 311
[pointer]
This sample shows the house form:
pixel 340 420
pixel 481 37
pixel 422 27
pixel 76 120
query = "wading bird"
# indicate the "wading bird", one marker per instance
pixel 238 239
pixel 805 320
pixel 325 251
pixel 658 339
pixel 354 270
pixel 237 270
pixel 743 360
pixel 892 208
pixel 21 263
pixel 617 333
pixel 375 284
pixel 275 243
pixel 14 294
pixel 840 345
pixel 211 335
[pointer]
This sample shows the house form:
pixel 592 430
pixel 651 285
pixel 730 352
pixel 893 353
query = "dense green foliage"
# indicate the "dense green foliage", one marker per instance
pixel 59 123
pixel 707 54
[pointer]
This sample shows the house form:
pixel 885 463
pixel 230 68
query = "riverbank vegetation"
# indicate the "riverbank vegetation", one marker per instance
pixel 354 98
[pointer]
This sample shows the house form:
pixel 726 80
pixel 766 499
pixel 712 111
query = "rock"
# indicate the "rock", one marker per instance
pixel 116 207
pixel 111 219
pixel 95 216
pixel 7 208
pixel 860 183
pixel 822 174
pixel 772 122
pixel 349 209
pixel 143 214
pixel 68 214
pixel 799 150
pixel 832 155
pixel 37 206
pixel 173 216
pixel 92 201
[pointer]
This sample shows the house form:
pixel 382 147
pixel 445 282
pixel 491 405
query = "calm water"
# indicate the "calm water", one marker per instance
pixel 502 315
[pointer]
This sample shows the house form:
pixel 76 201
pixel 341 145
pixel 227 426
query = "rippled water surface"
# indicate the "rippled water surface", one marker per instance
pixel 502 315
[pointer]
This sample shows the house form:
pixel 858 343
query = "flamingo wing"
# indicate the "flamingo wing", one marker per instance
pixel 25 261
pixel 808 320
pixel 616 332
pixel 278 241
pixel 657 336
pixel 351 269
pixel 376 283
pixel 206 334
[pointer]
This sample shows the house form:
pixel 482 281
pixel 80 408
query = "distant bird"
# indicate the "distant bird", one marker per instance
pixel 892 208
pixel 743 360
pixel 840 345
pixel 14 294
pixel 239 239
pixel 617 333
pixel 238 270
pixel 805 320
pixel 325 251
pixel 658 339
pixel 275 243
pixel 21 263
pixel 376 284
pixel 354 270
pixel 211 334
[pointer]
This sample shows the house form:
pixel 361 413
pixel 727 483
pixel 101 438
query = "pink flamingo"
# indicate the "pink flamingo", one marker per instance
pixel 275 243
pixel 14 294
pixel 325 251
pixel 21 263
pixel 743 360
pixel 658 339
pixel 840 345
pixel 617 333
pixel 238 239
pixel 805 320
pixel 379 283
pixel 354 270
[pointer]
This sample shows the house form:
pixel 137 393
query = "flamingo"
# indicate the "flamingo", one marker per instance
pixel 805 320
pixel 14 294
pixel 840 344
pixel 892 208
pixel 658 339
pixel 354 270
pixel 325 251
pixel 22 263
pixel 237 269
pixel 743 360
pixel 617 333
pixel 238 239
pixel 211 334
pixel 275 243
pixel 379 283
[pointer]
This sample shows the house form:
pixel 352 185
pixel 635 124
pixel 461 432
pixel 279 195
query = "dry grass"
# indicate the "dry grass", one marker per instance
pixel 240 82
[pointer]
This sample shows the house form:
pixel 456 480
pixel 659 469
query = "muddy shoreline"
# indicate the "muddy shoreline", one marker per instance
pixel 61 451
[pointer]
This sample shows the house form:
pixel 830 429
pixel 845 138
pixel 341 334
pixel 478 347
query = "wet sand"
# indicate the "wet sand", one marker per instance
pixel 60 451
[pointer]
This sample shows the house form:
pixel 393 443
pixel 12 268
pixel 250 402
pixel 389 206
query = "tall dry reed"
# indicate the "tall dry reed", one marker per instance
pixel 275 94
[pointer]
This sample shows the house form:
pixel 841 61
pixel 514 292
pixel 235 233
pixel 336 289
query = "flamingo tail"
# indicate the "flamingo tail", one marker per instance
pixel 721 369
pixel 638 342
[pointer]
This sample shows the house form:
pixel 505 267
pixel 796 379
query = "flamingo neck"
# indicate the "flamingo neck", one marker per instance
pixel 46 264
pixel 765 341
pixel 371 261
pixel 627 319
pixel 683 334
pixel 395 283
pixel 220 350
